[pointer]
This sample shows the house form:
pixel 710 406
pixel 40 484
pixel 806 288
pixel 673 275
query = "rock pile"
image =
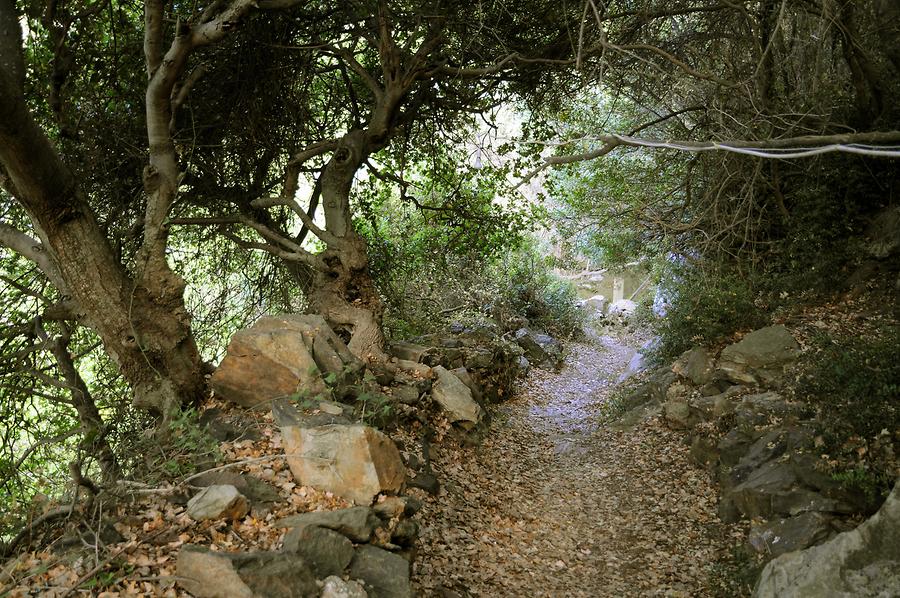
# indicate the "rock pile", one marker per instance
pixel 355 552
pixel 325 404
pixel 758 445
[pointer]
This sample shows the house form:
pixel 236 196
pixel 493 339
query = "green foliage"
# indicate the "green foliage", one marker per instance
pixel 375 409
pixel 526 286
pixel 706 307
pixel 874 485
pixel 854 384
pixel 179 447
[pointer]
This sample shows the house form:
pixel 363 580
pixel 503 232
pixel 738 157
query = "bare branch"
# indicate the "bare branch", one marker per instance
pixel 33 250
pixel 785 148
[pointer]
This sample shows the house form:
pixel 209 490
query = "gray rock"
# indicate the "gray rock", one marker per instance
pixel 385 574
pixel 760 357
pixel 733 446
pixel 478 359
pixel 774 489
pixel 864 562
pixel 409 351
pixel 257 491
pixel 653 391
pixel 357 523
pixel 540 349
pixel 207 574
pixel 780 536
pixel 679 414
pixel 696 365
pixel 217 502
pixel 426 481
pixel 408 395
pixel 466 378
pixel 335 587
pixel 622 307
pixel 456 399
pixel 524 364
pixel 597 303
pixel 327 551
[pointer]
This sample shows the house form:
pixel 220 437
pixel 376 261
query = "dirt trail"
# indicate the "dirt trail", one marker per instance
pixel 556 503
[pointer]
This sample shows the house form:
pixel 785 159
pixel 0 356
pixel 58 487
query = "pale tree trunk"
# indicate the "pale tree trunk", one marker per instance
pixel 344 292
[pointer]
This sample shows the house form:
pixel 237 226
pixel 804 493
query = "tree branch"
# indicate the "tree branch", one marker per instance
pixel 33 250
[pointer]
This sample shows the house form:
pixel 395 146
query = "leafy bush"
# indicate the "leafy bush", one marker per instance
pixel 706 307
pixel 854 384
pixel 526 286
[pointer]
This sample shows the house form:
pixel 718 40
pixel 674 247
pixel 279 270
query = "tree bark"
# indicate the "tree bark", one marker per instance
pixel 344 293
pixel 142 322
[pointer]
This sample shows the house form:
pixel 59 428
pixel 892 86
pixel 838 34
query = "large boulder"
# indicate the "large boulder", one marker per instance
pixel 282 356
pixel 862 562
pixel 760 357
pixel 455 398
pixel 540 349
pixel 356 462
pixel 696 365
pixel 207 574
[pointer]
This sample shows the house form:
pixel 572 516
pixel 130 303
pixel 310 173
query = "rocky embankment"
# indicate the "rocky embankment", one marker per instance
pixel 761 450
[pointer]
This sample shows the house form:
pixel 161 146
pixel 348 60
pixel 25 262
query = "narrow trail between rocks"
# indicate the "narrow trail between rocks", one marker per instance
pixel 557 503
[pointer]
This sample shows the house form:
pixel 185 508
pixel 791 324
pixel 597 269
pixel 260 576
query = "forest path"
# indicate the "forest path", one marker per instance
pixel 557 503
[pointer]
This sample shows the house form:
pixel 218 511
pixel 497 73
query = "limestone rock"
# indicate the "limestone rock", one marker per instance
pixel 455 398
pixel 696 365
pixel 218 501
pixel 759 357
pixel 862 562
pixel 779 536
pixel 357 523
pixel 282 355
pixel 622 307
pixel 356 462
pixel 386 574
pixel 335 587
pixel 207 574
pixel 327 551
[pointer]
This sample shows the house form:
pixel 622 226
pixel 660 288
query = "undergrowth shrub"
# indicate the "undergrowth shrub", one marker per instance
pixel 704 308
pixel 526 284
pixel 854 386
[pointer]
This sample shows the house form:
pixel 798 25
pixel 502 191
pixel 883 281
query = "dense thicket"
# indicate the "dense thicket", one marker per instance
pixel 170 171
pixel 768 79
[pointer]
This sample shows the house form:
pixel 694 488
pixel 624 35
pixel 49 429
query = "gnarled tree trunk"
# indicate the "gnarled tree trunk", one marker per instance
pixel 142 321
pixel 344 292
